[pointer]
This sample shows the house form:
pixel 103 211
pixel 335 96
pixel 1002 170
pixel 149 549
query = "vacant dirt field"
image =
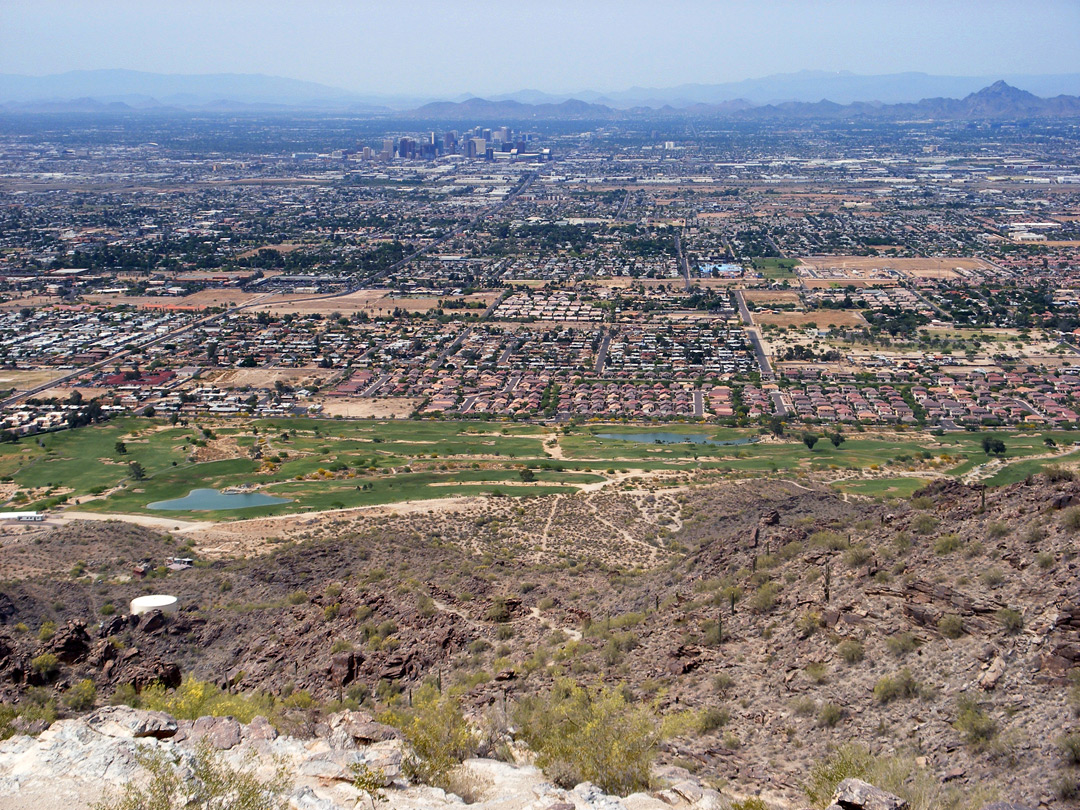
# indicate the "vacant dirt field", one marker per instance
pixel 240 377
pixel 766 297
pixel 910 267
pixel 370 407
pixel 373 302
pixel 281 247
pixel 822 317
pixel 22 380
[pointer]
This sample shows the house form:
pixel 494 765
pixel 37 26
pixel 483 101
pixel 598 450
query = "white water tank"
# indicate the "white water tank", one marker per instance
pixel 157 601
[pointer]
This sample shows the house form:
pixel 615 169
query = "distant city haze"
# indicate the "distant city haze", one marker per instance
pixel 451 50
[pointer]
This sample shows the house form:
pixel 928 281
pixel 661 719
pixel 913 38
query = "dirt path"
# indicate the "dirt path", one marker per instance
pixel 165 524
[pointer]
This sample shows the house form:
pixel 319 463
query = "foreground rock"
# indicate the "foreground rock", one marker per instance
pixel 74 763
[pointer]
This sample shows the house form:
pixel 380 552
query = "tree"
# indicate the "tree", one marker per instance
pixel 809 439
pixel 836 438
pixel 993 446
pixel 121 448
pixel 527 475
pixel 137 471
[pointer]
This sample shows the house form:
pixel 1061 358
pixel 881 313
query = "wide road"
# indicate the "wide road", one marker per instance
pixel 684 268
pixel 755 338
pixel 601 355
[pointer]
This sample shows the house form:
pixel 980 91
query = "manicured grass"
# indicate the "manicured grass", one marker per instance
pixel 1013 473
pixel 886 487
pixel 320 463
pixel 775 268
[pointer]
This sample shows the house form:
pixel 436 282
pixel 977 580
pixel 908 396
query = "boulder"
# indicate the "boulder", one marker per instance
pixel 221 733
pixel 123 721
pixel 855 794
pixel 989 679
pixel 349 728
pixel 259 729
pixel 71 643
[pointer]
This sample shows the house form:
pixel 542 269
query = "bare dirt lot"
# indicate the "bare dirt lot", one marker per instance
pixel 864 266
pixel 23 380
pixel 767 297
pixel 370 407
pixel 261 377
pixel 822 317
pixel 373 302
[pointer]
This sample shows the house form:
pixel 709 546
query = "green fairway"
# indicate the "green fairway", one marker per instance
pixel 330 463
pixel 883 487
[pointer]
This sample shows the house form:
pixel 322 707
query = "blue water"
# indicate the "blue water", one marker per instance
pixel 199 500
pixel 671 438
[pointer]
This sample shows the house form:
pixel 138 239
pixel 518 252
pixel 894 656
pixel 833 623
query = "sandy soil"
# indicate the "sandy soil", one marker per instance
pixel 370 407
pixel 772 296
pixel 22 380
pixel 822 317
pixel 264 377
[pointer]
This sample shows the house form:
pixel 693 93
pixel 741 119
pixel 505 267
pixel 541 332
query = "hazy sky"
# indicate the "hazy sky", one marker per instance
pixel 491 46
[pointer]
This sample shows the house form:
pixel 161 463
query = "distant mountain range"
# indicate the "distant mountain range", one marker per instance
pixel 808 94
pixel 998 101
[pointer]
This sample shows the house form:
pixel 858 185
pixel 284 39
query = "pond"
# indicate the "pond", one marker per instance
pixel 199 500
pixel 671 438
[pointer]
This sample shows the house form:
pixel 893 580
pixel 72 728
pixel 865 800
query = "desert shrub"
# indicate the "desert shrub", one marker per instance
pixel 1067 787
pixel 976 726
pixel 195 698
pixel 992 577
pixel 997 530
pixel 1069 746
pixel 498 611
pixel 1012 621
pixel 808 623
pixel 833 541
pixel 764 598
pixel 722 682
pixel 47 630
pixel 711 719
pixel 951 626
pixel 851 651
pixel 898 686
pixel 856 556
pixel 1056 474
pixel 81 696
pixel 214 785
pixel 816 671
pixel 46 665
pixel 924 523
pixel 296 598
pixel 847 762
pixel 922 502
pixel 597 736
pixel 751 803
pixel 900 644
pixel 804 706
pixel 829 715
pixel 947 544
pixel 1044 560
pixel 1070 518
pixel 437 732
pixel 899 775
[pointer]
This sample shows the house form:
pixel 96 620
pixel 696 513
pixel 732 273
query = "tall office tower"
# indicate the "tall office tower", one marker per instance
pixel 450 142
